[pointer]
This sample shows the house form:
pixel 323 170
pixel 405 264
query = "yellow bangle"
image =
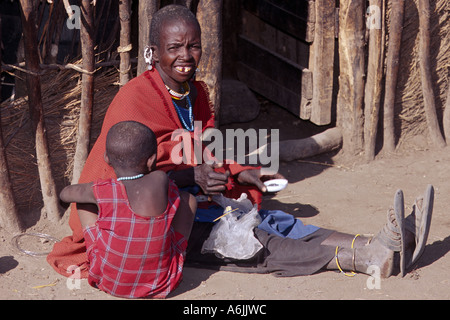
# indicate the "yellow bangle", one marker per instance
pixel 353 242
pixel 351 274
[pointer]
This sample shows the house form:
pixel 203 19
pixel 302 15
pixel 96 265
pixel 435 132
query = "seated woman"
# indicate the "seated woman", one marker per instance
pixel 166 98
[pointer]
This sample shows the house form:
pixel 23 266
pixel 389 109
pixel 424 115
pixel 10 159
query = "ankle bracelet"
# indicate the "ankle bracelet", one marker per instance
pixel 352 273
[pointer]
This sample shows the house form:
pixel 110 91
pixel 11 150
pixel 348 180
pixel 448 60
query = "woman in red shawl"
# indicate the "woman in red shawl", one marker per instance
pixel 147 99
pixel 166 99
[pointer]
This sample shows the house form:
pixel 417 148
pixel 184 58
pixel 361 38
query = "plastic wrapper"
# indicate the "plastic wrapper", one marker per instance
pixel 232 236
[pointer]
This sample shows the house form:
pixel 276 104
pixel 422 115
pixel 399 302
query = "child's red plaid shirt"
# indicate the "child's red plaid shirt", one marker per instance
pixel 129 255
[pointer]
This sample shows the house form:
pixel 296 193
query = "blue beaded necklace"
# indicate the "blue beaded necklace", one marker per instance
pixel 181 115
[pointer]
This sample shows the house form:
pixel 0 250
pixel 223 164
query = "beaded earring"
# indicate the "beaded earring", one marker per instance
pixel 148 57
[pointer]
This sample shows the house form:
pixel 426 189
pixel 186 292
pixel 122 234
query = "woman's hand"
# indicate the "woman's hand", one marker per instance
pixel 255 177
pixel 210 181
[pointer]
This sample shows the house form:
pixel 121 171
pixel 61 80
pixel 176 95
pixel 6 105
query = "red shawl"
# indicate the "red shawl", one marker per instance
pixel 146 100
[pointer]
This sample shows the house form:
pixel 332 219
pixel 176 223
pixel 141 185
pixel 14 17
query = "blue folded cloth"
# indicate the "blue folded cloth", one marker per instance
pixel 208 214
pixel 284 225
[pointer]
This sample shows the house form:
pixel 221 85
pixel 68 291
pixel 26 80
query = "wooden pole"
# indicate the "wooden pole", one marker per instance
pixel 146 10
pixel 209 15
pixel 425 67
pixel 323 62
pixel 50 197
pixel 9 217
pixel 60 24
pixel 87 89
pixel 46 40
pixel 447 116
pixel 125 41
pixel 375 71
pixel 392 63
pixel 351 79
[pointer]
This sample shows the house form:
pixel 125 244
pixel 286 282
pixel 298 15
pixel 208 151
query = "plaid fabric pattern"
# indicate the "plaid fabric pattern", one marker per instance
pixel 129 255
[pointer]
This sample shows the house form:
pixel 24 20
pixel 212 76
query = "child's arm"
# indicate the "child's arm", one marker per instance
pixel 79 193
pixel 83 195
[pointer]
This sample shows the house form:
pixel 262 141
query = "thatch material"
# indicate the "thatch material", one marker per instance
pixel 61 92
pixel 409 111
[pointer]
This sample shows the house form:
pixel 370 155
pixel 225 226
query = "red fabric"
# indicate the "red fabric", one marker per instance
pixel 131 256
pixel 146 100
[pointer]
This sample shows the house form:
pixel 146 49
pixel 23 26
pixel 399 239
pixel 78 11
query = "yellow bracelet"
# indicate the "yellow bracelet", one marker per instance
pixel 353 242
pixel 352 274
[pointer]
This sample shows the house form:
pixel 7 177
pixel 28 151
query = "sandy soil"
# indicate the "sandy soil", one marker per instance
pixel 329 191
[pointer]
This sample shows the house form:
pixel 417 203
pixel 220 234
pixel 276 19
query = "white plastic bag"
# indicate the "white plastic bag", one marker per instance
pixel 233 237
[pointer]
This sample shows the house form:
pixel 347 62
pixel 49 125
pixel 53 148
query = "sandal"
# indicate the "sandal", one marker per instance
pixel 419 222
pixel 392 235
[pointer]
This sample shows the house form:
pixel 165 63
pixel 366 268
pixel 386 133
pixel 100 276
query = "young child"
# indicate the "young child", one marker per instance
pixel 136 226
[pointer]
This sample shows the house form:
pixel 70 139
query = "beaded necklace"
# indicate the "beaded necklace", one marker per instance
pixel 179 96
pixel 180 115
pixel 140 175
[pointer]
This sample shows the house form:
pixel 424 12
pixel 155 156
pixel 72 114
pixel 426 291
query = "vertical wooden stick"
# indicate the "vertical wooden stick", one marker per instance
pixel 375 71
pixel 60 24
pixel 125 40
pixel 209 15
pixel 447 116
pixel 146 10
pixel 351 80
pixel 9 217
pixel 87 89
pixel 50 197
pixel 425 67
pixel 392 63
pixel 323 62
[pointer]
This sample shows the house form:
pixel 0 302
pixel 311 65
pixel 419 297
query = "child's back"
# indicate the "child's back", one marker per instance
pixel 148 195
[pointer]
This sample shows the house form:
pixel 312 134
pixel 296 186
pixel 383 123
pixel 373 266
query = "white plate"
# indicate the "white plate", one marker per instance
pixel 276 185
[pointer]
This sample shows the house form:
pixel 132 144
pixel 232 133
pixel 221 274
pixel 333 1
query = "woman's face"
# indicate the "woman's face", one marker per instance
pixel 178 53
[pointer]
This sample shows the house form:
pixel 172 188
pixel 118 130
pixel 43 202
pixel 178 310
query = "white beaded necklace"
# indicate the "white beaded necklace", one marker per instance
pixel 177 95
pixel 140 175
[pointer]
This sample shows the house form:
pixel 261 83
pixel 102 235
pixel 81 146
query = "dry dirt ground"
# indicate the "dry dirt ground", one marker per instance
pixel 329 191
